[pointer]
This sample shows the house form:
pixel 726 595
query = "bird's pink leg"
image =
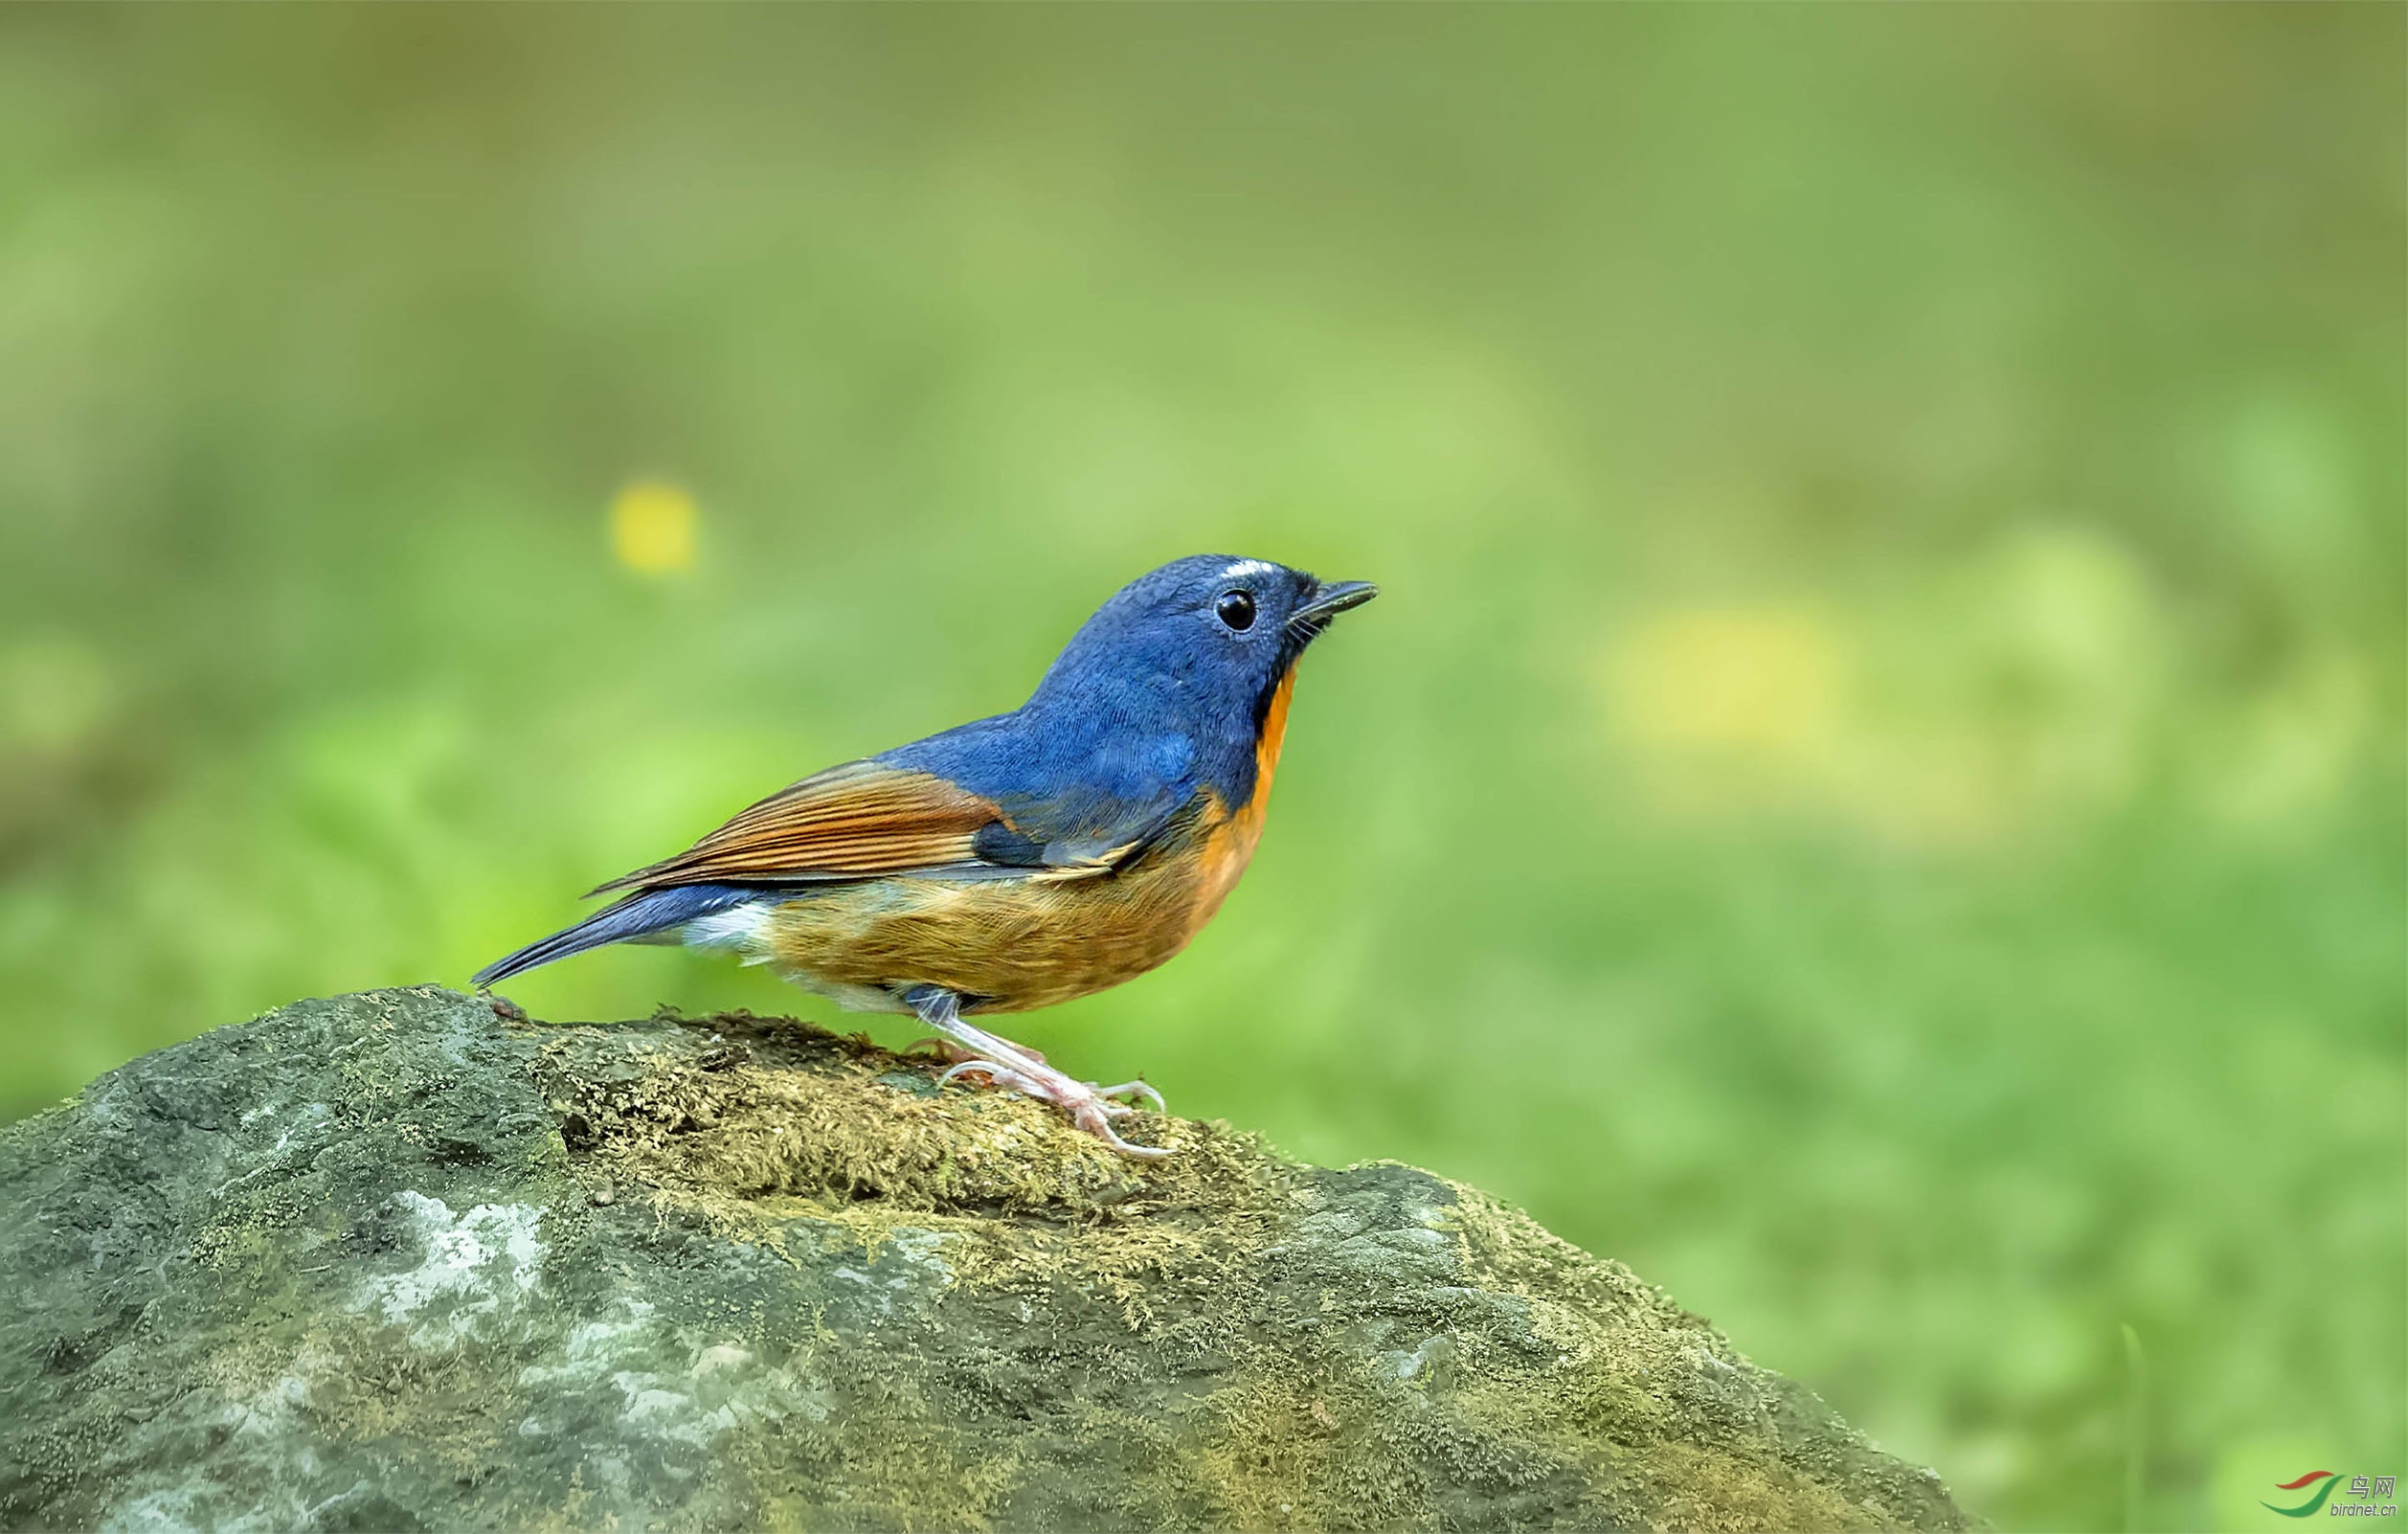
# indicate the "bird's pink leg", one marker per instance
pixel 955 1053
pixel 1009 1065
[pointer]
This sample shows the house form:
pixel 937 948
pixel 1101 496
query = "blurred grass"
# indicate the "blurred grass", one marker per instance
pixel 1875 791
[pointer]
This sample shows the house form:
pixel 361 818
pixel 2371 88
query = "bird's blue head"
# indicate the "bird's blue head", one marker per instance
pixel 1169 687
pixel 1201 643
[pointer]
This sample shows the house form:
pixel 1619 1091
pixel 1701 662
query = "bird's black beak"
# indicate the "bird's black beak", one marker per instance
pixel 1329 598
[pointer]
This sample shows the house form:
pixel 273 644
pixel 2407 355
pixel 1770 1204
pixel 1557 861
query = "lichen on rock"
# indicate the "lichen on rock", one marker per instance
pixel 399 1260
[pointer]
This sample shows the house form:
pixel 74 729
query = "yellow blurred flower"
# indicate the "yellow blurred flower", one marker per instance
pixel 1726 708
pixel 2010 690
pixel 1749 682
pixel 652 526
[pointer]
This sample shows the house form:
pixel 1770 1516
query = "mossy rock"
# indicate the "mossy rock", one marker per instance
pixel 400 1261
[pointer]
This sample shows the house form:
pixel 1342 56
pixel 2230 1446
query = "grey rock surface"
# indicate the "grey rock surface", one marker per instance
pixel 400 1261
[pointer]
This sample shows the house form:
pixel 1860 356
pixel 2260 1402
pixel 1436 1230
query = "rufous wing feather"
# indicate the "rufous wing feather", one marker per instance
pixel 857 820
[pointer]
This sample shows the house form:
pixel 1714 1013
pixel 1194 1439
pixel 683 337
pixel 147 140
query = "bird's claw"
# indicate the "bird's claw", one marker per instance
pixel 1091 1106
pixel 1133 1089
pixel 996 1075
pixel 1096 1117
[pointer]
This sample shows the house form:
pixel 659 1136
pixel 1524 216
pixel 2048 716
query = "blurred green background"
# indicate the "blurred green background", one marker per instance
pixel 1875 793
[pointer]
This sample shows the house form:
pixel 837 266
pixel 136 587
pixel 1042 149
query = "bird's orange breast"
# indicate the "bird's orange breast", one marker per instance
pixel 1229 847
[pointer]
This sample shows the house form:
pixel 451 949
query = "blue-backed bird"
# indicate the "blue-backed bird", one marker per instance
pixel 1018 861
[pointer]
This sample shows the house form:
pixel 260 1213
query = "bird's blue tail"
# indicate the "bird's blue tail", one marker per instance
pixel 639 915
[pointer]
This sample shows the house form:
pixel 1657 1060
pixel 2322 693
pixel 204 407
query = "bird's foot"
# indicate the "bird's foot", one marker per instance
pixel 1091 1106
pixel 975 1051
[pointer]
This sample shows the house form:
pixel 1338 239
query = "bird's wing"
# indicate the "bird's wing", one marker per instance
pixel 1081 837
pixel 866 819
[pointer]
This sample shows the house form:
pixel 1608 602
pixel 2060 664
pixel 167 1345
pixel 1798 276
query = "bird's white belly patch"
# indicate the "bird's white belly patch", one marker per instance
pixel 743 929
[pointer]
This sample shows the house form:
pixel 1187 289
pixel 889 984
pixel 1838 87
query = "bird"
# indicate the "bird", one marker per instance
pixel 1022 860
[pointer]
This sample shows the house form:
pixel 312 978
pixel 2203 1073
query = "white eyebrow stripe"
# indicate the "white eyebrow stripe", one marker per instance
pixel 1249 567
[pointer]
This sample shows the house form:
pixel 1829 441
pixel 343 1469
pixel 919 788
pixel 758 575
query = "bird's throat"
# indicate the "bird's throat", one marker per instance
pixel 1267 745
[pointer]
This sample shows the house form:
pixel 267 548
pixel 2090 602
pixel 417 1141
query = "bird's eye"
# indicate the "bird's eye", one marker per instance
pixel 1236 609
